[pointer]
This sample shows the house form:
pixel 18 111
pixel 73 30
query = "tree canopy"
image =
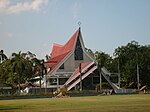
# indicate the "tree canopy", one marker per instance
pixel 18 69
pixel 127 57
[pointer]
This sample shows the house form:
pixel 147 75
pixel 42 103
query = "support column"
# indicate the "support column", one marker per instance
pixel 100 75
pixel 57 82
pixel 137 69
pixel 119 73
pixel 100 81
pixel 80 82
pixel 40 84
pixel 45 81
pixel 80 70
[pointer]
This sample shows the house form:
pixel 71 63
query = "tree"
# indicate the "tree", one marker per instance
pixel 126 56
pixel 131 55
pixel 144 64
pixel 89 51
pixel 5 71
pixel 2 56
pixel 103 59
pixel 21 68
pixel 47 57
pixel 39 69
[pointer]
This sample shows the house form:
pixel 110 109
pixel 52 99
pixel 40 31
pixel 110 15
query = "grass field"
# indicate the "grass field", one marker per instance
pixel 114 103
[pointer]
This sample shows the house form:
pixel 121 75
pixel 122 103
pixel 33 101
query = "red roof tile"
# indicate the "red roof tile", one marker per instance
pixel 59 52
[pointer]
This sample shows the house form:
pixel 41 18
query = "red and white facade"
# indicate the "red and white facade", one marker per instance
pixel 63 66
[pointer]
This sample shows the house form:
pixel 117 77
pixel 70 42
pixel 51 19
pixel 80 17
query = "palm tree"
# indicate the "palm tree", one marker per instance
pixel 103 59
pixel 21 67
pixel 39 69
pixel 5 71
pixel 2 56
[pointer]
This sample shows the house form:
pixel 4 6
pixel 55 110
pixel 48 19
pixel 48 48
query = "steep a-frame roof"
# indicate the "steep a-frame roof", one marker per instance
pixel 62 49
pixel 59 52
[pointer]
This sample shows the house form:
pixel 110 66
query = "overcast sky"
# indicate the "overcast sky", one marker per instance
pixel 34 25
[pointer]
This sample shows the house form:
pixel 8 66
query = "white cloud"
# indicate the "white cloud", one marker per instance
pixel 3 5
pixel 75 10
pixel 34 5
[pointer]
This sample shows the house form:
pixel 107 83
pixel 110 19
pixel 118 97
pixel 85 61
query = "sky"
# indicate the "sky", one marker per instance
pixel 34 25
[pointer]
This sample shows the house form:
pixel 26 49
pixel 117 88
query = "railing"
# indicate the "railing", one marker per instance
pixel 106 75
pixel 83 76
pixel 76 75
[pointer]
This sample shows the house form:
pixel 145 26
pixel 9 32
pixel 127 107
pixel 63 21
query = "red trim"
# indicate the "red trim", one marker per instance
pixel 83 65
pixel 83 76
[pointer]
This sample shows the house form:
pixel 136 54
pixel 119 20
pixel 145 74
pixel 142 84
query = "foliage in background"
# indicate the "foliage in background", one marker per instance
pixel 127 57
pixel 19 68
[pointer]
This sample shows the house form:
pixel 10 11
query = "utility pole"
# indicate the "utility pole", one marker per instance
pixel 100 76
pixel 138 84
pixel 118 72
pixel 137 69
pixel 80 76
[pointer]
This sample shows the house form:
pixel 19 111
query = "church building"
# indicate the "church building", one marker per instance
pixel 71 64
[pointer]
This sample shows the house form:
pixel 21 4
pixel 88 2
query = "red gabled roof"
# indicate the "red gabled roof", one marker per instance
pixel 56 50
pixel 59 52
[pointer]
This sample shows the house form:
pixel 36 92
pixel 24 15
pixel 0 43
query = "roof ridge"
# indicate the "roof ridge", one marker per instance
pixel 56 44
pixel 59 55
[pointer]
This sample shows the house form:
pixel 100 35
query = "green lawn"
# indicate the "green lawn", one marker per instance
pixel 114 103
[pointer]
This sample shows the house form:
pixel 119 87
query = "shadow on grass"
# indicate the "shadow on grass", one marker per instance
pixel 23 97
pixel 9 108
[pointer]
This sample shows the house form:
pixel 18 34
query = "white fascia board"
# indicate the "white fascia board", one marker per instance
pixel 90 56
pixel 71 53
pixel 53 72
pixel 89 72
pixel 64 73
pixel 84 76
pixel 83 70
pixel 81 41
pixel 83 47
pixel 63 60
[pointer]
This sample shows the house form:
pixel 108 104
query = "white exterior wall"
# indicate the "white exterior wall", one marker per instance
pixel 70 65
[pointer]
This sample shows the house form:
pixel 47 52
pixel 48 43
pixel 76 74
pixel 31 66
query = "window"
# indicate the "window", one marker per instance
pixel 62 66
pixel 53 81
pixel 78 53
